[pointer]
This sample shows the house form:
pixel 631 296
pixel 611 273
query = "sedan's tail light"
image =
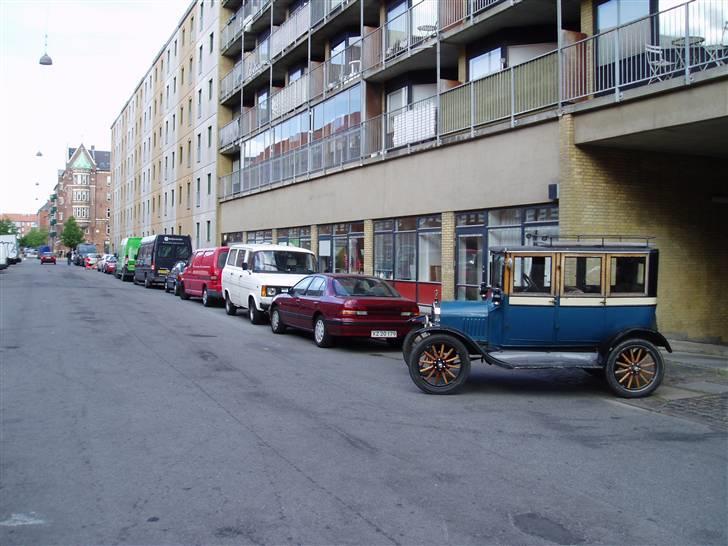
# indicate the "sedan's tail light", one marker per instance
pixel 354 312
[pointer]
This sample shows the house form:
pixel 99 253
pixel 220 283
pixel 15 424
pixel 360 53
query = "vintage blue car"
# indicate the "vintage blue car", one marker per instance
pixel 582 303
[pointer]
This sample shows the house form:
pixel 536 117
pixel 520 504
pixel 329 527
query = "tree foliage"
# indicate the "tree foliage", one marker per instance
pixel 34 238
pixel 7 227
pixel 71 235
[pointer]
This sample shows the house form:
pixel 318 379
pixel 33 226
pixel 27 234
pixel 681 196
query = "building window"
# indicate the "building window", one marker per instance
pixel 486 63
pixel 209 89
pixel 341 248
pixel 209 183
pixel 207 228
pixel 197 193
pixel 199 146
pixel 172 200
pixel 82 179
pixel 199 62
pixel 212 43
pixel 209 136
pixel 197 235
pixel 199 103
pixel 189 188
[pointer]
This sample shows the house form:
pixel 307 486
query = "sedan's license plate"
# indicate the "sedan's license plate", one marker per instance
pixel 384 333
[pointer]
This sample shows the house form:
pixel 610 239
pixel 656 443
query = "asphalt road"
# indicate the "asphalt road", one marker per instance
pixel 131 417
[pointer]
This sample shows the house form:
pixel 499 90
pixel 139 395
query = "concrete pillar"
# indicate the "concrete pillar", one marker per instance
pixel 314 239
pixel 448 256
pixel 369 247
pixel 274 236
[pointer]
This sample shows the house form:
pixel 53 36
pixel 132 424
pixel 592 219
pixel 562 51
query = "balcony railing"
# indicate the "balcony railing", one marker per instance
pixel 230 133
pixel 691 38
pixel 404 33
pixel 455 11
pixel 321 9
pixel 290 97
pixel 232 81
pixel 292 29
pixel 233 29
pixel 342 68
pixel 255 60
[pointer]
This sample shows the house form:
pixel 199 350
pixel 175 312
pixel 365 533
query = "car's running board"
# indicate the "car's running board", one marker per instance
pixel 517 360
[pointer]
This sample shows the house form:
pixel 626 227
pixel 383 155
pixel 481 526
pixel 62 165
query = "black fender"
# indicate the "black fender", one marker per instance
pixel 473 346
pixel 653 336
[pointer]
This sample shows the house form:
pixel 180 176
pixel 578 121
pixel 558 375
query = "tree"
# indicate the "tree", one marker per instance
pixel 71 235
pixel 34 238
pixel 7 227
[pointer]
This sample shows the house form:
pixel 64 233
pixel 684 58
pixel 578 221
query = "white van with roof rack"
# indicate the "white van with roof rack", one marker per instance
pixel 255 273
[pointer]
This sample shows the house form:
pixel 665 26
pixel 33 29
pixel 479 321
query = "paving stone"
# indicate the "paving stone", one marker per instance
pixel 704 386
pixel 674 393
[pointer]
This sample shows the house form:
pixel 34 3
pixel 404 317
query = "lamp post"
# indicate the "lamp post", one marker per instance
pixel 45 59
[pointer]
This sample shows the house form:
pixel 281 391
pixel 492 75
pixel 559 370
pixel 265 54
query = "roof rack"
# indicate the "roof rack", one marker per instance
pixel 637 241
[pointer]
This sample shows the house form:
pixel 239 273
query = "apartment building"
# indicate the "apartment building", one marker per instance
pixel 405 138
pixel 84 192
pixel 164 151
pixel 23 222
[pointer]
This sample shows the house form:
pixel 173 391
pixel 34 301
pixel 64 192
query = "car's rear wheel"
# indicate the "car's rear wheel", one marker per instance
pixel 255 316
pixel 321 335
pixel 206 298
pixel 166 286
pixel 175 290
pixel 182 294
pixel 635 368
pixel 124 275
pixel 230 309
pixel 439 364
pixel 147 282
pixel 276 324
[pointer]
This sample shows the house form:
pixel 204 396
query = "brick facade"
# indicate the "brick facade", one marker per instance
pixel 668 196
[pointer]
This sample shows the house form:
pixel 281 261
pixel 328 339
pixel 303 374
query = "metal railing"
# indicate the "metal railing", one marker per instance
pixel 230 133
pixel 342 68
pixel 691 37
pixel 233 29
pixel 232 81
pixel 254 61
pixel 321 9
pixel 293 28
pixel 290 97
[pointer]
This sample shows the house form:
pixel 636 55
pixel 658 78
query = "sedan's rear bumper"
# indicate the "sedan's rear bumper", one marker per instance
pixel 364 328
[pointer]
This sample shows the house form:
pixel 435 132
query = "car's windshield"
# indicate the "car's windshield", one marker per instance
pixel 85 250
pixel 358 286
pixel 283 261
pixel 169 250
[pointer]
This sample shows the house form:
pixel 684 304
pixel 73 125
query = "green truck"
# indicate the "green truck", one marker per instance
pixel 127 258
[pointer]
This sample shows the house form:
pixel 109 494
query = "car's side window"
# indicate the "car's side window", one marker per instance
pixel 240 259
pixel 532 275
pixel 582 276
pixel 300 287
pixel 627 275
pixel 317 287
pixel 231 257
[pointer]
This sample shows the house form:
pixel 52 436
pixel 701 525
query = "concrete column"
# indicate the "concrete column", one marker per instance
pixel 274 236
pixel 314 239
pixel 369 247
pixel 448 256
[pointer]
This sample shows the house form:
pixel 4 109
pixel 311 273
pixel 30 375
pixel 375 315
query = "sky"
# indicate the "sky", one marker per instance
pixel 101 49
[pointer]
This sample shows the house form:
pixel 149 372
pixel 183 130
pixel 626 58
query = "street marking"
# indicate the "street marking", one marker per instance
pixel 16 520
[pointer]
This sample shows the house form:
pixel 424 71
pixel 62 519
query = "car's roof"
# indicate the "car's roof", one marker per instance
pixel 269 246
pixel 211 249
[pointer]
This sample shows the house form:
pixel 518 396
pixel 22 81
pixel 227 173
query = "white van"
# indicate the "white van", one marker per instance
pixel 255 273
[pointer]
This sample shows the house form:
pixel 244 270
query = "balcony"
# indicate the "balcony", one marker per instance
pixel 255 61
pixel 230 133
pixel 290 31
pixel 341 69
pixel 322 9
pixel 53 197
pixel 290 97
pixel 53 221
pixel 231 83
pixel 231 34
pixel 53 210
pixel 401 36
pixel 598 69
pixel 53 234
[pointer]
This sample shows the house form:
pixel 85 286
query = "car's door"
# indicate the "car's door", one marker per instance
pixel 228 275
pixel 310 302
pixel 530 313
pixel 631 292
pixel 580 311
pixel 242 273
pixel 290 306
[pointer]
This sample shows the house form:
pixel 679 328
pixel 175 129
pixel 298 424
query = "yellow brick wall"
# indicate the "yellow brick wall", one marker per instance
pixel 448 256
pixel 369 247
pixel 669 196
pixel 587 17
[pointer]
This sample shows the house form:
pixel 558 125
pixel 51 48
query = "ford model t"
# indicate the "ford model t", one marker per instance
pixel 583 303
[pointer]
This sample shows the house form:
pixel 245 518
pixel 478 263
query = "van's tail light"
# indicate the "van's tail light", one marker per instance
pixel 213 277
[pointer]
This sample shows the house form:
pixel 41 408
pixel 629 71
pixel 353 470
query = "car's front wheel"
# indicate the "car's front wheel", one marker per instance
pixel 410 340
pixel 635 368
pixel 175 290
pixel 439 364
pixel 276 324
pixel 255 316
pixel 166 286
pixel 147 282
pixel 206 301
pixel 230 309
pixel 182 294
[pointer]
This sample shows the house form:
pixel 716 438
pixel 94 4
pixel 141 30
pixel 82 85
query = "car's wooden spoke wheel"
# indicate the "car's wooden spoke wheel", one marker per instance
pixel 635 368
pixel 439 364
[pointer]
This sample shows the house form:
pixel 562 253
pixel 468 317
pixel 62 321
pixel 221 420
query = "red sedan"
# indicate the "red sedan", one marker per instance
pixel 331 306
pixel 48 258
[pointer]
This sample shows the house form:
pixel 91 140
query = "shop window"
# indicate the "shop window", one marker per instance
pixel 430 257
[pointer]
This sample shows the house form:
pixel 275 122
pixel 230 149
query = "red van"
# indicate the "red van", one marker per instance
pixel 203 276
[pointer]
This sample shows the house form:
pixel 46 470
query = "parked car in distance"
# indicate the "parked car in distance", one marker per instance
pixel 342 305
pixel 255 273
pixel 83 250
pixel 172 280
pixel 580 304
pixel 110 265
pixel 126 261
pixel 157 255
pixel 203 276
pixel 48 258
pixel 90 260
pixel 102 261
